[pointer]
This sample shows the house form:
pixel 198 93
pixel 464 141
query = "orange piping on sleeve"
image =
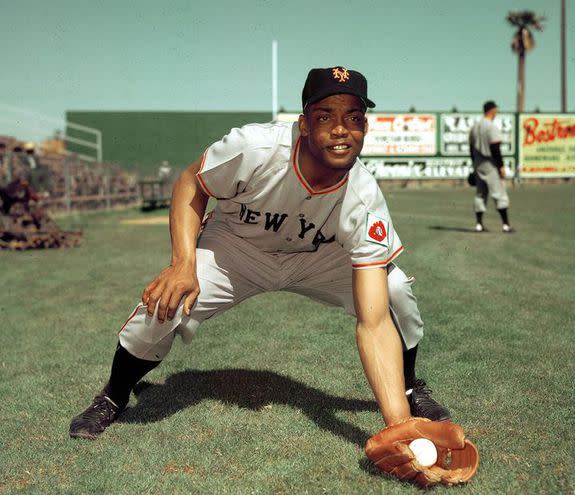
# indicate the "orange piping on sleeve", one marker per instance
pixel 378 263
pixel 201 179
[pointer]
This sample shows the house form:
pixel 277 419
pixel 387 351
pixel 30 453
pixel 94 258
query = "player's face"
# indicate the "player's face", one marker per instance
pixel 334 129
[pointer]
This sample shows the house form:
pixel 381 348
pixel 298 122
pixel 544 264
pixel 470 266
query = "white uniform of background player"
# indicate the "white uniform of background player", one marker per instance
pixel 270 231
pixel 484 145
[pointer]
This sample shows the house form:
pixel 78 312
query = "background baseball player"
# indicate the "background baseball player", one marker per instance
pixel 484 147
pixel 296 211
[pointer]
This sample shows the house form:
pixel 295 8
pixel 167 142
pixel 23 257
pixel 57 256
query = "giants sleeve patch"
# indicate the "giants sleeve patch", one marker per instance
pixel 376 230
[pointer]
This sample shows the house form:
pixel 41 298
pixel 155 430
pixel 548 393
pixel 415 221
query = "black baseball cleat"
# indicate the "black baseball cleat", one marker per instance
pixel 422 405
pixel 100 414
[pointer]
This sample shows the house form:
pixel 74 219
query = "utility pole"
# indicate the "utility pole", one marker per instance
pixel 274 80
pixel 563 61
pixel 520 82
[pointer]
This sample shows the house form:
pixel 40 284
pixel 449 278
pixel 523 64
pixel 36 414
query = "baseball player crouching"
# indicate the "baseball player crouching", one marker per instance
pixel 296 211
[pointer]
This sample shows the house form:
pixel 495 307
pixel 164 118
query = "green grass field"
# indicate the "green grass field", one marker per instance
pixel 270 397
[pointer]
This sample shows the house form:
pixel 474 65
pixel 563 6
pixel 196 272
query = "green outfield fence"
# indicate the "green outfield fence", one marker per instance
pixel 140 141
pixel 399 146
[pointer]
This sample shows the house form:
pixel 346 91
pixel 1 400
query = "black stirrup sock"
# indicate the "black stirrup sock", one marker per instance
pixel 409 367
pixel 503 214
pixel 127 370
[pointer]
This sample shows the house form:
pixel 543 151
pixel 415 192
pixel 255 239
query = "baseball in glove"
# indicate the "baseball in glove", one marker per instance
pixel 457 457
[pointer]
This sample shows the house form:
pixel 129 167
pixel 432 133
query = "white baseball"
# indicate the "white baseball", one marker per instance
pixel 424 451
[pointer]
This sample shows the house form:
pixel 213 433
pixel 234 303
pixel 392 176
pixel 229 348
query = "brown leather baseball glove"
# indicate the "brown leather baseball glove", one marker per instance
pixel 457 458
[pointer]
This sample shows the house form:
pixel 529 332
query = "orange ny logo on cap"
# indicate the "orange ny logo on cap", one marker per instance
pixel 340 74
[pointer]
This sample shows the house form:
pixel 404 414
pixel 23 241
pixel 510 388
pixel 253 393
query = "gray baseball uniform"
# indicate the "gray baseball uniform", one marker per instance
pixel 271 231
pixel 488 182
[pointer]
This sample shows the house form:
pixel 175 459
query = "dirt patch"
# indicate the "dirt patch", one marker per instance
pixel 147 221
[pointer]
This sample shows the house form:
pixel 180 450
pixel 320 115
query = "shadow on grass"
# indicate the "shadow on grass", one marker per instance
pixel 453 229
pixel 248 389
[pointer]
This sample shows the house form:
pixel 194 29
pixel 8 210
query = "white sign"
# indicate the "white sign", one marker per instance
pixel 425 168
pixel 288 117
pixel 455 127
pixel 400 134
pixel 394 134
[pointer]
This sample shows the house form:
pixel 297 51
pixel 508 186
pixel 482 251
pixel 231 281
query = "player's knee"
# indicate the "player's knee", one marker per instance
pixel 403 306
pixel 143 350
pixel 479 205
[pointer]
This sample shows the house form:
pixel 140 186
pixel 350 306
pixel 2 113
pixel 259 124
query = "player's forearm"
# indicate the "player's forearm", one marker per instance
pixel 496 154
pixel 187 210
pixel 381 354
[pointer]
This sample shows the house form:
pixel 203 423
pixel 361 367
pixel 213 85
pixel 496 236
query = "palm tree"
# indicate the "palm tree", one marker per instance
pixel 521 43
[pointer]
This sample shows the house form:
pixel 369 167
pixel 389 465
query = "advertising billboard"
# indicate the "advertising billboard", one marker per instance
pixel 436 146
pixel 454 132
pixel 400 134
pixel 425 167
pixel 394 134
pixel 547 145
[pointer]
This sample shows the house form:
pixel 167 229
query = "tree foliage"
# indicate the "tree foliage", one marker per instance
pixel 524 21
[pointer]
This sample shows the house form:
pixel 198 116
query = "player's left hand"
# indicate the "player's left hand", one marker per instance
pixel 502 172
pixel 457 457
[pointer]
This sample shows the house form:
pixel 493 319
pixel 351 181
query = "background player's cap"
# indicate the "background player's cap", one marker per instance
pixel 488 105
pixel 321 83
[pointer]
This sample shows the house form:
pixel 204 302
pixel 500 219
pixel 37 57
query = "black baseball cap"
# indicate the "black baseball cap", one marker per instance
pixel 488 105
pixel 321 83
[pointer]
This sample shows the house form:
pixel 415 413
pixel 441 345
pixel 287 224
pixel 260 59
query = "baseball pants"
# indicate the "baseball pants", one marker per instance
pixel 489 183
pixel 231 270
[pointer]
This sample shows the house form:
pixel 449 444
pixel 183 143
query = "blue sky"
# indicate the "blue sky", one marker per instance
pixel 190 55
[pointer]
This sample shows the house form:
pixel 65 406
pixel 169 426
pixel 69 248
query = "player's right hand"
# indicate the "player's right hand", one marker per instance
pixel 166 291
